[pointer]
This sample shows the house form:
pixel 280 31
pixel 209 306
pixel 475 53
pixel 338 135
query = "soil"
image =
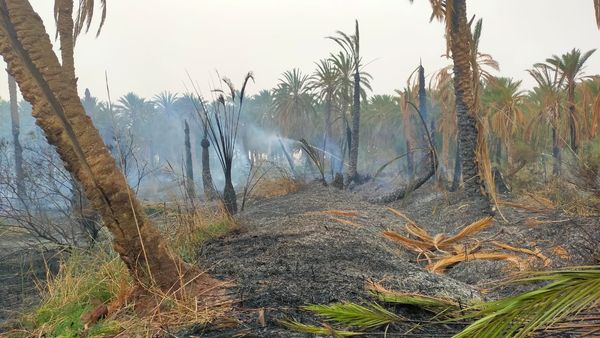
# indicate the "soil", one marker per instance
pixel 290 252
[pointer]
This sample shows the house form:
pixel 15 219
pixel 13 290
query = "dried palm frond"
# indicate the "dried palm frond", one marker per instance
pixel 469 230
pixel 343 213
pixel 316 155
pixel 547 261
pixel 569 293
pixel 413 244
pixel 343 221
pixel 446 261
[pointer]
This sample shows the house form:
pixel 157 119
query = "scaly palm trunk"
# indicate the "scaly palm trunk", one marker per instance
pixel 26 48
pixel 328 109
pixel 555 153
pixel 229 196
pixel 572 121
pixel 353 158
pixel 16 128
pixel 465 106
pixel 189 168
pixel 207 181
pixel 457 170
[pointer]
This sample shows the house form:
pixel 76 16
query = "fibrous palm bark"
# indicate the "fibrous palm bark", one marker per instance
pixel 26 48
pixel 468 132
pixel 189 168
pixel 207 182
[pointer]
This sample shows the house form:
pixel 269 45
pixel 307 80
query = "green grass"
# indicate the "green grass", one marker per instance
pixel 85 279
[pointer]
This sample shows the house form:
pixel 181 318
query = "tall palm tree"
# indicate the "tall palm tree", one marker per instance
pixel 571 66
pixel 501 101
pixel 325 81
pixel 28 52
pixel 547 99
pixel 166 102
pixel 351 46
pixel 471 142
pixel 293 103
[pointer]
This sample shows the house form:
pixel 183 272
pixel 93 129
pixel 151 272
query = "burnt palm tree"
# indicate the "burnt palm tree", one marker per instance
pixel 16 127
pixel 223 119
pixel 571 65
pixel 470 141
pixel 325 81
pixel 351 46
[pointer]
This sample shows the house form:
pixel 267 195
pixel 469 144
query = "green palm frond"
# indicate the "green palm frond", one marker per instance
pixel 568 293
pixel 355 315
pixel 324 330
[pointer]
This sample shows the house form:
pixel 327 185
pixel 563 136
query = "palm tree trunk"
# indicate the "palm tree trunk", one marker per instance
pixel 457 170
pixel 64 26
pixel 189 168
pixel 328 109
pixel 555 153
pixel 26 48
pixel 572 121
pixel 465 107
pixel 16 128
pixel 207 181
pixel 229 196
pixel 353 158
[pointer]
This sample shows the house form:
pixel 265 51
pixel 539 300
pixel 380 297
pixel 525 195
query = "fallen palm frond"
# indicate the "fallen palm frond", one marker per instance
pixel 446 261
pixel 569 293
pixel 469 230
pixel 343 221
pixel 343 213
pixel 355 315
pixel 324 330
pixel 429 303
pixel 412 244
pixel 547 261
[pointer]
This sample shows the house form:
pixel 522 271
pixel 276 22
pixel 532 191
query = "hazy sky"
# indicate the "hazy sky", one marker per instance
pixel 147 45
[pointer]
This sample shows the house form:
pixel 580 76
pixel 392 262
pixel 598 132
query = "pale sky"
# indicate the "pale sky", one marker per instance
pixel 147 45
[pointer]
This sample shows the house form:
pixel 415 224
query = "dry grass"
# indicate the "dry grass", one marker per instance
pixel 93 294
pixel 273 187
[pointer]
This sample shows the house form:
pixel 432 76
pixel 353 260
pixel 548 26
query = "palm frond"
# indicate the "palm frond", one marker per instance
pixel 569 293
pixel 355 315
pixel 324 330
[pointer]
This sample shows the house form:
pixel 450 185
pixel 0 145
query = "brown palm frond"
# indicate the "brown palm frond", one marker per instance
pixel 547 261
pixel 446 261
pixel 416 245
pixel 469 230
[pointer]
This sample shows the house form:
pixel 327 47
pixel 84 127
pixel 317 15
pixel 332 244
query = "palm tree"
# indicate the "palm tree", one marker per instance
pixel 325 80
pixel 501 101
pixel 166 102
pixel 58 111
pixel 351 46
pixel 571 66
pixel 546 97
pixel 293 103
pixel 471 142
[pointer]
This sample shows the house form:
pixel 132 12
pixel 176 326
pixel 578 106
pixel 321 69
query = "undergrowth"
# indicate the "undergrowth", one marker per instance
pixel 96 278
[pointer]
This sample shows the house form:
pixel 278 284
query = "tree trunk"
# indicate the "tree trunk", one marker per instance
pixel 189 168
pixel 410 159
pixel 465 107
pixel 353 158
pixel 572 121
pixel 555 153
pixel 16 129
pixel 64 26
pixel 207 181
pixel 328 108
pixel 457 170
pixel 26 48
pixel 229 196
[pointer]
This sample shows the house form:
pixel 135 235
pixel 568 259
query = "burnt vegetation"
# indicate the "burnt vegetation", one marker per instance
pixel 314 207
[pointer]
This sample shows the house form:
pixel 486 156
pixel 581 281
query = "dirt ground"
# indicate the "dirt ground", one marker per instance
pixel 321 245
pixel 291 251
